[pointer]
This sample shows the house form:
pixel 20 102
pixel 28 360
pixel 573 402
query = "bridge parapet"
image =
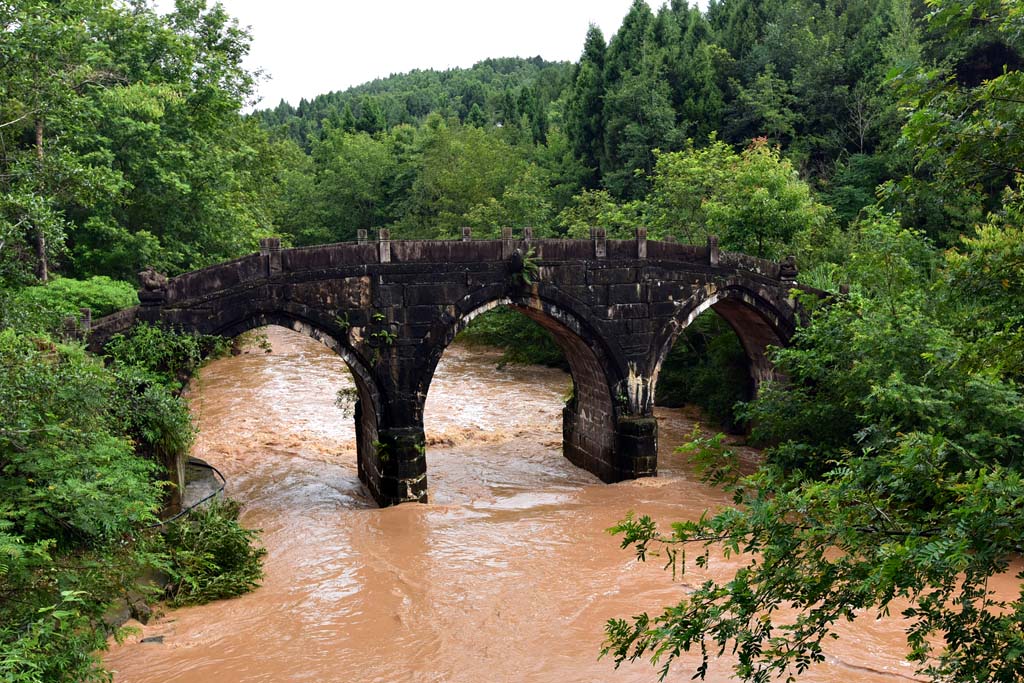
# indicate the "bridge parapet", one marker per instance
pixel 246 269
pixel 751 264
pixel 256 267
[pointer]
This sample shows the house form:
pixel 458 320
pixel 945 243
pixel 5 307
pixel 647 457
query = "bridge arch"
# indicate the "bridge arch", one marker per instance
pixel 589 419
pixel 758 321
pixel 370 406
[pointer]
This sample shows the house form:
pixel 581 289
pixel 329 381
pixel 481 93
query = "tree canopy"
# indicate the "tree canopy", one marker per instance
pixel 878 141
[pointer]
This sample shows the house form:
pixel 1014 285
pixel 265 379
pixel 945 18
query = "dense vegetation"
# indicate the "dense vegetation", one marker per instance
pixel 878 141
pixel 83 445
pixel 120 145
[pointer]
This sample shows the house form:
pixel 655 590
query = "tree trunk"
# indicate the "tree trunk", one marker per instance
pixel 42 267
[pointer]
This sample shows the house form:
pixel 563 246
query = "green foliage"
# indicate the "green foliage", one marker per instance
pixel 76 498
pixel 596 208
pixel 638 115
pixel 43 307
pixel 123 142
pixel 171 357
pixel 986 279
pixel 835 549
pixel 68 473
pixel 210 556
pixel 754 201
pixel 584 109
pixel 963 162
pixel 707 367
pixel 457 168
pixel 354 172
pixel 56 646
pixel 72 493
pixel 523 340
pixel 503 90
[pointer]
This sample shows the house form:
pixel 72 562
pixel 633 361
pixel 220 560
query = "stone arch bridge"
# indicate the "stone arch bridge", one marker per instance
pixel 390 308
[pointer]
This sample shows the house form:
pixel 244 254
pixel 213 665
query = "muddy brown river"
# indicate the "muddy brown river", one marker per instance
pixel 507 575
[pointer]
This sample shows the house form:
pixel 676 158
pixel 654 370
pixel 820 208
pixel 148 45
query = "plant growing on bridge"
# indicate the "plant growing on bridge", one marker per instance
pixel 382 450
pixel 525 267
pixel 387 337
pixel 342 321
pixel 346 399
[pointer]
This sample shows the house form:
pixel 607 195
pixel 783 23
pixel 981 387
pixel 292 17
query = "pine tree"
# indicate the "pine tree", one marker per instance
pixel 584 115
pixel 638 114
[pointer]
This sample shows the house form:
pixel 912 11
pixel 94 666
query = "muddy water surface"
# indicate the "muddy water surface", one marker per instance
pixel 507 575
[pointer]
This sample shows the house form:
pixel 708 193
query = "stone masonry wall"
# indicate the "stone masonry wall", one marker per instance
pixel 390 308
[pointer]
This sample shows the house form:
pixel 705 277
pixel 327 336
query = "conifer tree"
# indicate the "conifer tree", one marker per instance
pixel 584 113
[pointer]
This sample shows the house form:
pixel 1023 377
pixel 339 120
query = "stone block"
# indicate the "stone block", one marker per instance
pixel 622 311
pixel 632 293
pixel 428 294
pixel 419 315
pixel 612 276
pixel 388 295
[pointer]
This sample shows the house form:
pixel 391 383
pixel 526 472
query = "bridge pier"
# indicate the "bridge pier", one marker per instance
pixel 636 447
pixel 629 451
pixel 393 467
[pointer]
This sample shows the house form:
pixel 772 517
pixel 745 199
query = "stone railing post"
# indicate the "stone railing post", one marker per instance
pixel 527 234
pixel 270 249
pixel 641 242
pixel 70 327
pixel 599 236
pixel 152 295
pixel 506 244
pixel 713 253
pixel 384 244
pixel 86 320
pixel 787 269
pixel 467 234
pixel 362 235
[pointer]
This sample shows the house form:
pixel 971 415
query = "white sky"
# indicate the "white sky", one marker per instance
pixel 310 47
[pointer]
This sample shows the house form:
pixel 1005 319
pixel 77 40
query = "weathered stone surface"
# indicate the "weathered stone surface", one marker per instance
pixel 390 308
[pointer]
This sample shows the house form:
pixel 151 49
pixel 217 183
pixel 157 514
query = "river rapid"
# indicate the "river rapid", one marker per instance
pixel 507 575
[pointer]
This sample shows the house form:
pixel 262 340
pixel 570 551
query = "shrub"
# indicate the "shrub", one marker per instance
pixel 211 556
pixel 43 308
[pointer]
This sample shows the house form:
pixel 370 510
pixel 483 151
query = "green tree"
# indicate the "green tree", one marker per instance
pixel 753 201
pixel 638 116
pixel 963 163
pixel 525 202
pixel 767 108
pixel 691 69
pixel 597 208
pixel 353 172
pixel 585 106
pixel 455 168
pixel 51 65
